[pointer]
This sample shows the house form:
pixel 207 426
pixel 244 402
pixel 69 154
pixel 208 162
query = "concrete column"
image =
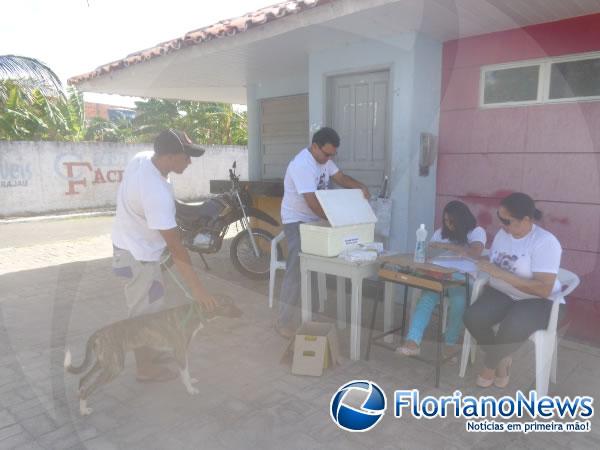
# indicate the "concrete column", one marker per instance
pixel 254 153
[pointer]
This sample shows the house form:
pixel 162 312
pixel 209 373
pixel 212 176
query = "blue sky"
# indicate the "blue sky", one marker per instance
pixel 76 36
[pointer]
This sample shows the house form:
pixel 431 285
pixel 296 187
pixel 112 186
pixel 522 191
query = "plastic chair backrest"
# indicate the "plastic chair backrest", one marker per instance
pixel 274 242
pixel 569 281
pixel 478 285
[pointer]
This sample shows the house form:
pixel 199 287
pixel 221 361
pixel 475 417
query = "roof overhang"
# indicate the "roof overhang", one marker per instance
pixel 219 69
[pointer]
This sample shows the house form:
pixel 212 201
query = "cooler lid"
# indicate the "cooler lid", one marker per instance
pixel 345 207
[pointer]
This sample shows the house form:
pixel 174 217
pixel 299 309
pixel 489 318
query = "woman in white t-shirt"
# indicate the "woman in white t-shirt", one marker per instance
pixel 459 234
pixel 523 266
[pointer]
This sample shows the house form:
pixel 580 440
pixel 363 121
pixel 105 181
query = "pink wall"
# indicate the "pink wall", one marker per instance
pixel 551 152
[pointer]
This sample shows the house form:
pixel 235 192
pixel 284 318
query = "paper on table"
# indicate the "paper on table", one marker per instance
pixel 456 262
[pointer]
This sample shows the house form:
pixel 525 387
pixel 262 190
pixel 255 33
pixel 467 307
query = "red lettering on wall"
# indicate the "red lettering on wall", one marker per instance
pixel 111 176
pixel 98 177
pixel 73 183
pixel 114 176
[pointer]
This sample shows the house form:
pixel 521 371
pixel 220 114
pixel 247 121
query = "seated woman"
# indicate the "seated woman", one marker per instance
pixel 524 263
pixel 459 234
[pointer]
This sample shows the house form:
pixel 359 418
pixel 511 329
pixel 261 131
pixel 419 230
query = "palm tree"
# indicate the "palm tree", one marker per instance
pixel 30 75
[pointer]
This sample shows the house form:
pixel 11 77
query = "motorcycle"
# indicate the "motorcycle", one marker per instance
pixel 204 225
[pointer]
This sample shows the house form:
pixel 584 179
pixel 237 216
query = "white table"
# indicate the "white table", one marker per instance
pixel 357 272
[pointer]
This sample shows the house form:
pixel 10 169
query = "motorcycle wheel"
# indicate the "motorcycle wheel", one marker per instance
pixel 243 257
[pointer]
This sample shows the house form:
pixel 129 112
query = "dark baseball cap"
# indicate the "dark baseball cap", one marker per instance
pixel 175 141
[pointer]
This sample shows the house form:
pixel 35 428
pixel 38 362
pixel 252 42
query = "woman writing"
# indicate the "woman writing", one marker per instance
pixel 461 235
pixel 523 266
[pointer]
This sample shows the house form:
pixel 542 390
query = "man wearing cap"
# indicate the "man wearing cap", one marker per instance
pixel 144 226
pixel 308 172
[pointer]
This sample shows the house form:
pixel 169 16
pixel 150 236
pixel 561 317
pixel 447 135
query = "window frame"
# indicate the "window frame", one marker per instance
pixel 543 89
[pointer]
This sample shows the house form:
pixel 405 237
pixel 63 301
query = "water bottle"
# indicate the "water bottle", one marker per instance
pixel 420 249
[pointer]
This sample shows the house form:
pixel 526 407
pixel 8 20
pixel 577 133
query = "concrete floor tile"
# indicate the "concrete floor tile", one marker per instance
pixel 16 441
pixel 247 397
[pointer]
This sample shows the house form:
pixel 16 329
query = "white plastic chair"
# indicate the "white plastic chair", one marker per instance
pixel 545 341
pixel 476 289
pixel 277 264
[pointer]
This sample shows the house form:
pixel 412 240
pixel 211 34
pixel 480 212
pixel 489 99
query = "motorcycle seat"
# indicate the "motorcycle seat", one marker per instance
pixel 196 213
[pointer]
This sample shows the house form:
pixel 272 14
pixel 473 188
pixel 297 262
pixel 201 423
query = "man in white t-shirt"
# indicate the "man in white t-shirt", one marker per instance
pixel 144 226
pixel 309 171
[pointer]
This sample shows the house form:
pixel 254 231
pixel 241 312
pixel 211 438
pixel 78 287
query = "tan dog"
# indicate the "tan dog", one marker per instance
pixel 171 329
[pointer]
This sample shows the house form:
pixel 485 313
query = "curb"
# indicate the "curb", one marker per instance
pixel 81 215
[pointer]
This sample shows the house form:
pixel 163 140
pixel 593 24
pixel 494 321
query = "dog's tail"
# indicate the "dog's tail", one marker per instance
pixel 86 361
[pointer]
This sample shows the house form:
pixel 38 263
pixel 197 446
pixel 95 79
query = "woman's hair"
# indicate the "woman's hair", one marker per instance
pixel 521 205
pixel 463 220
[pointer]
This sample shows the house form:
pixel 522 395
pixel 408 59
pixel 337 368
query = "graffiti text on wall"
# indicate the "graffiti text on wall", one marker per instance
pixel 103 168
pixel 97 175
pixel 14 174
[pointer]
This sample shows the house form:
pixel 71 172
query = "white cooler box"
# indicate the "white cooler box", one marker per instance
pixel 350 221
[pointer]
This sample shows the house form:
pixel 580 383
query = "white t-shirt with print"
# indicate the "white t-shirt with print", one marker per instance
pixel 477 234
pixel 303 175
pixel 145 204
pixel 538 251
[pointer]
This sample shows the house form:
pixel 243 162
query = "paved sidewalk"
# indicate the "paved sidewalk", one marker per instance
pixel 55 294
pixel 54 254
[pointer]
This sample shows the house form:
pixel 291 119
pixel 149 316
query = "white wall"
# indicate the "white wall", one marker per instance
pixel 42 177
pixel 414 62
pixel 426 98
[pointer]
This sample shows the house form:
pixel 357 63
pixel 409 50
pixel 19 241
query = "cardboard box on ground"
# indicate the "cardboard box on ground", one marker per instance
pixel 313 349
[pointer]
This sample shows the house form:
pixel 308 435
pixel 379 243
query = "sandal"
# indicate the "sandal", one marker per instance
pixel 408 351
pixel 161 375
pixel 484 382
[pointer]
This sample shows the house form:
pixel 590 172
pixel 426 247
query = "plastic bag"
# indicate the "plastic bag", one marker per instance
pixel 382 207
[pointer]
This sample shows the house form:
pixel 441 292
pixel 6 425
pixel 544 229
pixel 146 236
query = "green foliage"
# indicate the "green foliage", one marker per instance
pixel 34 107
pixel 32 116
pixel 31 75
pixel 120 130
pixel 205 123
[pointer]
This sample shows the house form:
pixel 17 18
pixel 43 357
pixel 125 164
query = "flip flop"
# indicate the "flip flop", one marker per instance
pixel 403 350
pixel 163 374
